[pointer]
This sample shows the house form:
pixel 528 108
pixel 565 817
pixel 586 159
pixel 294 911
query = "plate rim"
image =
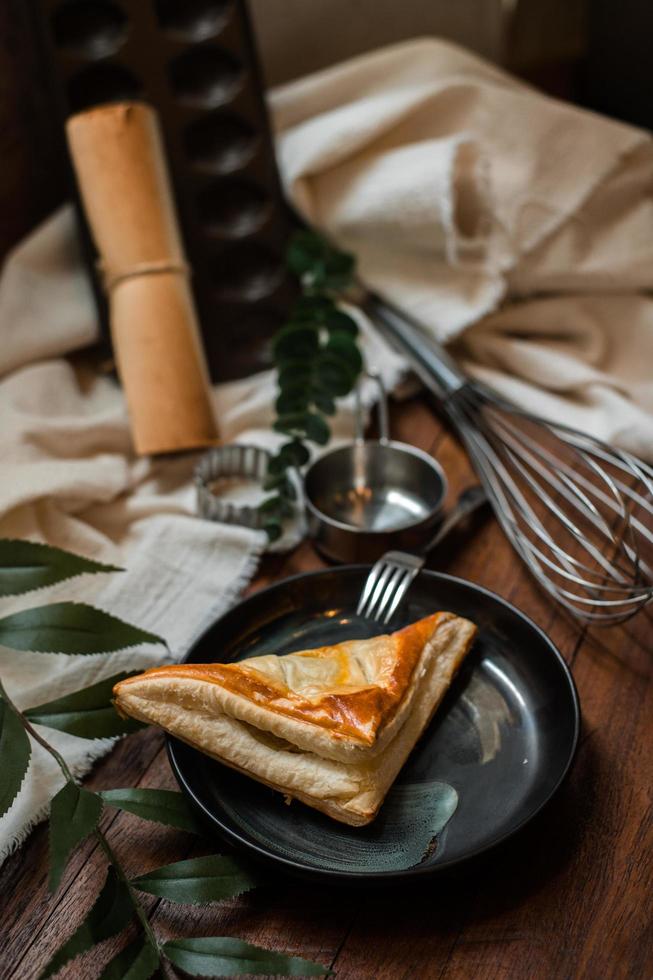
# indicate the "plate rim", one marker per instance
pixel 334 874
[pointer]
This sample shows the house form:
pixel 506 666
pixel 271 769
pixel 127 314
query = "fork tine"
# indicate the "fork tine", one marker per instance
pixel 400 592
pixel 386 585
pixel 385 573
pixel 393 582
pixel 370 582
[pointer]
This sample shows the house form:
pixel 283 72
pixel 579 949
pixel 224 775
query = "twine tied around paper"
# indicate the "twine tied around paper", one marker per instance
pixel 112 279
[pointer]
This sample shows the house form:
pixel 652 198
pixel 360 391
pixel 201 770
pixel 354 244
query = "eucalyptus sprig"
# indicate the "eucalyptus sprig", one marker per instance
pixel 317 359
pixel 75 812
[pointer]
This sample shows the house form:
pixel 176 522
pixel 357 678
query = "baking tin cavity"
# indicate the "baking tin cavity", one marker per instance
pixel 193 20
pixel 233 208
pixel 91 30
pixel 247 272
pixel 195 62
pixel 220 143
pixel 205 77
pixel 102 83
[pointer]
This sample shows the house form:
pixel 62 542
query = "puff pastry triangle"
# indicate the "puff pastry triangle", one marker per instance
pixel 330 726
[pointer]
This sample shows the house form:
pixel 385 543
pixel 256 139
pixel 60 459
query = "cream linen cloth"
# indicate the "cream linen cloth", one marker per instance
pixel 479 205
pixel 68 477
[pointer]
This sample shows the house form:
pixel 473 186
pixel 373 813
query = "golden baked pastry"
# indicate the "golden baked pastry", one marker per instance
pixel 331 726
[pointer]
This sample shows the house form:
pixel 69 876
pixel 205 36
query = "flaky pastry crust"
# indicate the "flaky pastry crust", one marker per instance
pixel 331 727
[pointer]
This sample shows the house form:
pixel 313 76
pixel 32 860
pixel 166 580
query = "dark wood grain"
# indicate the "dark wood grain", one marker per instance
pixel 568 897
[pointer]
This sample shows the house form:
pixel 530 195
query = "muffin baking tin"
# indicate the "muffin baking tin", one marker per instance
pixel 195 62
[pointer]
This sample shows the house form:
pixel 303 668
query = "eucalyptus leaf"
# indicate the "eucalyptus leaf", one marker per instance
pixel 282 485
pixel 305 250
pixel 324 403
pixel 317 361
pixel 273 529
pixel 275 481
pixel 292 423
pixel 338 271
pixel 109 915
pixel 294 398
pixel 222 956
pixel 74 814
pixel 271 506
pixel 277 466
pixel 317 309
pixel 295 341
pixel 340 322
pixel 333 274
pixel 197 880
pixel 317 263
pixel 159 805
pixel 317 429
pixel 309 424
pixel 88 712
pixel 293 372
pixel 70 627
pixel 15 752
pixel 343 345
pixel 332 375
pixel 137 961
pixel 26 565
pixel 295 452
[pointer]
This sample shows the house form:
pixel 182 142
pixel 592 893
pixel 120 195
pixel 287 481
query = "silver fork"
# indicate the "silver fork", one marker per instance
pixel 387 584
pixel 390 578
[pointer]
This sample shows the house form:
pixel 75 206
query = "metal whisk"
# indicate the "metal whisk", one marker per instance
pixel 578 512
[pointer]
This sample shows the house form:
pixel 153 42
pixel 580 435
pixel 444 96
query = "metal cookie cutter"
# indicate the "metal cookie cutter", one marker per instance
pixel 235 462
pixel 369 497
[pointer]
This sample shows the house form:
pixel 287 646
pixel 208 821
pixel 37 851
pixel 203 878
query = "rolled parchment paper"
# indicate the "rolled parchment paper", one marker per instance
pixel 118 157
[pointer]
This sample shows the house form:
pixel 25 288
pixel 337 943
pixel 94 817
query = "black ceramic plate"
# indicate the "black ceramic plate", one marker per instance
pixel 498 748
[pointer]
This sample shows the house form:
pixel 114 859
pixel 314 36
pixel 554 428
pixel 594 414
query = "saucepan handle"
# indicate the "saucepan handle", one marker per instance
pixel 382 408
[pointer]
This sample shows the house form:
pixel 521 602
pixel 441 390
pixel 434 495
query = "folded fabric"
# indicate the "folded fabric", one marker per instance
pixel 473 201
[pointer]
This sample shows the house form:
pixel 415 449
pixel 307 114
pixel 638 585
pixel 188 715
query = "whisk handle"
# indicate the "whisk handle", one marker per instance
pixel 430 361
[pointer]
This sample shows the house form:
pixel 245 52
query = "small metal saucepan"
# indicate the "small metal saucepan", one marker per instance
pixel 371 496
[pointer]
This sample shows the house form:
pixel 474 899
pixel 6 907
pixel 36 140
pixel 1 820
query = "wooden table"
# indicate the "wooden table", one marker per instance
pixel 569 897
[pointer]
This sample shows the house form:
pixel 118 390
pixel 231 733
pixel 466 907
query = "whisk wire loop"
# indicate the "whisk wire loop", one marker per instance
pixel 567 514
pixel 578 512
